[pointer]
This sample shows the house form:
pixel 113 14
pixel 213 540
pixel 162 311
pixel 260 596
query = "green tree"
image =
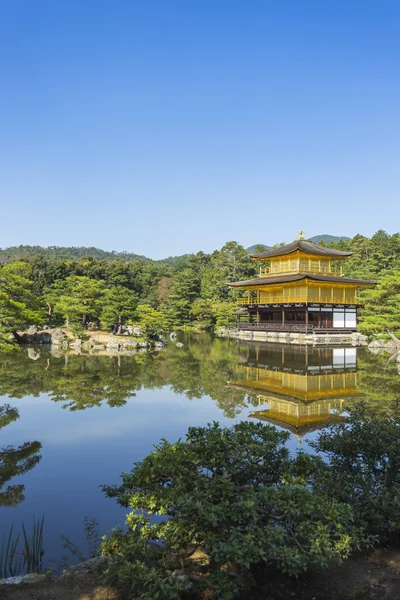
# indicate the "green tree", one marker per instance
pixel 150 319
pixel 119 306
pixel 231 263
pixel 81 300
pixel 235 501
pixel 364 468
pixel 381 309
pixel 185 289
pixel 19 306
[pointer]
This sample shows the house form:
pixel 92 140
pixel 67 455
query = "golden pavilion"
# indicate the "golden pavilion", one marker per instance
pixel 299 389
pixel 300 288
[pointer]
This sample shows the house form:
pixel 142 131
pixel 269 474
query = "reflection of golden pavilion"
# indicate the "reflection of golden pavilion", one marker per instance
pixel 300 391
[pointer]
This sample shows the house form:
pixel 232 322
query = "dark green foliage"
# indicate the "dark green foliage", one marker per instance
pixel 234 499
pixel 59 253
pixel 381 309
pixel 364 468
pixel 19 305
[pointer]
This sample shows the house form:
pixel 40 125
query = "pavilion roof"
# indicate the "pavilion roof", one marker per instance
pixel 303 246
pixel 300 429
pixel 298 277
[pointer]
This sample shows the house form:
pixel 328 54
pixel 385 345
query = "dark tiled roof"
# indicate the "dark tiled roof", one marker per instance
pixel 307 247
pixel 299 277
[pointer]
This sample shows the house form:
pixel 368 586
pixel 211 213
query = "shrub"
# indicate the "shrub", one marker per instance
pixel 222 503
pixel 364 468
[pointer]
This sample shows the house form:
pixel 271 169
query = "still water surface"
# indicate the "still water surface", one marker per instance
pixel 75 422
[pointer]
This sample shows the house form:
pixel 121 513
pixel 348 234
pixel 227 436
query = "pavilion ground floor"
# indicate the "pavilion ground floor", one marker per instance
pixel 305 318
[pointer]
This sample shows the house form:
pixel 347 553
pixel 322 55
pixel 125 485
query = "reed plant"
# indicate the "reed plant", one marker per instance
pixel 28 559
pixel 33 547
pixel 10 560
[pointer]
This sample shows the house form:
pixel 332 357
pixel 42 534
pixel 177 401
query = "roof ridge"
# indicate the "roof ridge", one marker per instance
pixel 305 246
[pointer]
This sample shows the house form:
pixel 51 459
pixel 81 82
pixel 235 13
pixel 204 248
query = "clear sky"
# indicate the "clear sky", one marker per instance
pixel 169 126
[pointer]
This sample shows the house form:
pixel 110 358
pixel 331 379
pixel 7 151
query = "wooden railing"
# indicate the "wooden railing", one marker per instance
pixel 294 299
pixel 299 327
pixel 267 271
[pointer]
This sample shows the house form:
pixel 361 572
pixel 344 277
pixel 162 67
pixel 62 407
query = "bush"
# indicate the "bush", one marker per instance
pixel 224 502
pixel 364 468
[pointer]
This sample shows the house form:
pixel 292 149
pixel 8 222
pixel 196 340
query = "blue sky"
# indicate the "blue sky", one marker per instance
pixel 169 126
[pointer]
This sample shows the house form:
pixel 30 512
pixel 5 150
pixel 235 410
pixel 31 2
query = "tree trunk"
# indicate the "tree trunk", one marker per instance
pixel 50 316
pixel 84 317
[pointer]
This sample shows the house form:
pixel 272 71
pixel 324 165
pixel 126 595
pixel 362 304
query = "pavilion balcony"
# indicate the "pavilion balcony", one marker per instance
pixel 304 267
pixel 294 327
pixel 292 296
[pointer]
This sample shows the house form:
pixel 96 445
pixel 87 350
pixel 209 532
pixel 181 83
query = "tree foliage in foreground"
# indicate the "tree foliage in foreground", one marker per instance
pixel 364 468
pixel 228 502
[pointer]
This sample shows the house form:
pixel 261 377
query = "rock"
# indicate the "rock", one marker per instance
pixel 35 338
pixel 159 345
pixel 376 344
pixel 57 337
pixel 113 345
pixel 181 576
pixel 29 578
pixel 143 344
pixel 127 330
pixel 86 566
pixel 78 342
pixel 137 331
pixel 86 346
pixel 33 354
pixel 64 345
pixel 392 346
pixel 33 329
pixel 57 352
pixel 11 580
pixel 398 357
pixel 172 336
pixel 179 345
pixel 99 347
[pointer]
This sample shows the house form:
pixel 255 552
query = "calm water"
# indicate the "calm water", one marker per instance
pixel 76 422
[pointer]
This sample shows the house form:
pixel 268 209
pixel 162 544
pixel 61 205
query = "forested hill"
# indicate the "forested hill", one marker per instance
pixel 13 253
pixel 325 238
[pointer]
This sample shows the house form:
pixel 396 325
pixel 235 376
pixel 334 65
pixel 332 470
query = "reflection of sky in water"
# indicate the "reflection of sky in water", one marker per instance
pixel 84 449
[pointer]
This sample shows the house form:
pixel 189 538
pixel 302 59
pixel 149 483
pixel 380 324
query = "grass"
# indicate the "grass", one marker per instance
pixel 33 547
pixel 26 560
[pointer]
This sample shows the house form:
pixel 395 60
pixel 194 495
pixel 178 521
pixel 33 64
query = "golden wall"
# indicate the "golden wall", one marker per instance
pixel 310 293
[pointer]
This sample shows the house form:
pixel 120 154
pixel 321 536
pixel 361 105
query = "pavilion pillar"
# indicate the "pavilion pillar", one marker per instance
pixel 306 318
pixel 283 317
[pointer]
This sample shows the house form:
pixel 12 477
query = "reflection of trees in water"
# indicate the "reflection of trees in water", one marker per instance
pixel 202 367
pixel 379 381
pixel 15 461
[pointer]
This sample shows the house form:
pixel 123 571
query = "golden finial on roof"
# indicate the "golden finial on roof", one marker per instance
pixel 301 235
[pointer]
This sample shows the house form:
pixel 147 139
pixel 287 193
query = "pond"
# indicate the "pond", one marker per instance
pixel 70 423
